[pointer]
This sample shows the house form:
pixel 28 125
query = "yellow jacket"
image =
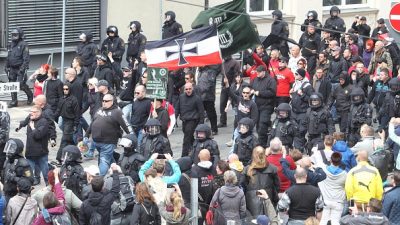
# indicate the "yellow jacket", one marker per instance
pixel 363 182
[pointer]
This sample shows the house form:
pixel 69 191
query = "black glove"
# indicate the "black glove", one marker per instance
pixel 17 129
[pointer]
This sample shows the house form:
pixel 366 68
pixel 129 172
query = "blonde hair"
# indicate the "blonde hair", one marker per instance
pixel 177 203
pixel 258 161
pixel 311 221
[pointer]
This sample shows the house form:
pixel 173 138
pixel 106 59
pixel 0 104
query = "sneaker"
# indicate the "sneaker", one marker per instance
pixel 221 125
pixel 229 143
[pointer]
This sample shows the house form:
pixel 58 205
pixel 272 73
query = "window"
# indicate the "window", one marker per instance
pixel 343 2
pixel 262 6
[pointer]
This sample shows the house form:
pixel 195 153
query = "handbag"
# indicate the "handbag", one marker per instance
pixel 214 214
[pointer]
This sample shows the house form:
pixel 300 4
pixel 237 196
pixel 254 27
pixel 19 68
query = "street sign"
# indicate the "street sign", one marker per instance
pixel 157 80
pixel 9 87
pixel 394 17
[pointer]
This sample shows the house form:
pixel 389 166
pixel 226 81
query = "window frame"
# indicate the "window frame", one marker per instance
pixel 343 5
pixel 264 12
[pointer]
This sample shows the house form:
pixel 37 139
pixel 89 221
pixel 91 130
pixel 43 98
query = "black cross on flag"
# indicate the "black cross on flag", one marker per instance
pixel 181 43
pixel 199 47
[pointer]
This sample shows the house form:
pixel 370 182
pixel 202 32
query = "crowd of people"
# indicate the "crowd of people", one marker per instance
pixel 315 135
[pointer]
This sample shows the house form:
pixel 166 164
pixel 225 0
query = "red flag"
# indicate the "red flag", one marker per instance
pixel 199 47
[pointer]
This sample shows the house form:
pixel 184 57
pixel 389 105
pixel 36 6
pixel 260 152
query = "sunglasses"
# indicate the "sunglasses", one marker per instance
pixel 188 89
pixel 245 92
pixel 66 89
pixel 107 100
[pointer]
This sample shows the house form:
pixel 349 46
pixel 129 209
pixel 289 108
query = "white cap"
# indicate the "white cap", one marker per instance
pixel 92 170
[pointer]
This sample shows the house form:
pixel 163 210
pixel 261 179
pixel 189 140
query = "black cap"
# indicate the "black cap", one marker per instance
pixel 261 69
pixel 381 21
pixel 24 185
pixel 283 59
pixel 301 72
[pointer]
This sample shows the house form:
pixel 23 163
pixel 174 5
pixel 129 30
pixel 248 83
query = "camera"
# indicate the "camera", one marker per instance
pixel 161 156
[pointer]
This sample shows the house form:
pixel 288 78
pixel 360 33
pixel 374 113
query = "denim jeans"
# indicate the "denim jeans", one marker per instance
pixel 105 156
pixel 127 111
pixel 42 164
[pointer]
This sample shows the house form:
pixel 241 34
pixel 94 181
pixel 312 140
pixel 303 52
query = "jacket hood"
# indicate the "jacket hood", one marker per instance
pixel 95 198
pixel 185 163
pixel 340 146
pixel 170 218
pixel 334 172
pixel 230 191
pixel 249 122
pixel 89 36
pixel 31 204
pixel 343 75
pixel 314 14
pixel 69 88
pixel 205 164
pixel 172 14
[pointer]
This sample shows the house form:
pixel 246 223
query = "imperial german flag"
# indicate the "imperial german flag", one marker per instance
pixel 199 47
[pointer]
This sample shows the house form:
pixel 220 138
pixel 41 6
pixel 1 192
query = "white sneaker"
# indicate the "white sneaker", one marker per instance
pixel 229 143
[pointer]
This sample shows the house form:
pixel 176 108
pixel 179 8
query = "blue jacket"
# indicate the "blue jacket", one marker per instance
pixel 391 205
pixel 2 208
pixel 173 179
pixel 313 177
pixel 348 157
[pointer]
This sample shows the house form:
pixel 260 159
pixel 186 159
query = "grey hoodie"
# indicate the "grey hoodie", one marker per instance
pixel 232 201
pixel 365 218
pixel 332 188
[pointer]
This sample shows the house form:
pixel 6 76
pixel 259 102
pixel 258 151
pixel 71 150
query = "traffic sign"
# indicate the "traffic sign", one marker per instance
pixel 394 17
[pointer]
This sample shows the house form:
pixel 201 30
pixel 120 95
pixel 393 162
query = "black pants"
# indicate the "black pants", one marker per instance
pixel 263 126
pixel 311 66
pixel 188 127
pixel 15 76
pixel 67 137
pixel 343 120
pixel 282 99
pixel 299 140
pixel 222 105
pixel 209 106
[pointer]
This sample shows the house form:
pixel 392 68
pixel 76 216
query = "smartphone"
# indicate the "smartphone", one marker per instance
pixel 351 203
pixel 161 156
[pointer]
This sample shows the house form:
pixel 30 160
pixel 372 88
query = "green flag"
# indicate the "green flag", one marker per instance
pixel 237 34
pixel 219 14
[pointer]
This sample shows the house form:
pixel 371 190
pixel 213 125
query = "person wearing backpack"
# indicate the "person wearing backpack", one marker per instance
pixel 54 211
pixel 145 210
pixel 130 160
pixel 96 210
pixel 122 207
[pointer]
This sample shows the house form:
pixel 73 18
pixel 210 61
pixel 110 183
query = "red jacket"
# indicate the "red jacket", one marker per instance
pixel 284 79
pixel 60 209
pixel 274 160
pixel 252 71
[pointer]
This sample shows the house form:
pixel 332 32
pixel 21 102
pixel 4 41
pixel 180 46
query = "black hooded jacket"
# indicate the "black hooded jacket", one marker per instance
pixel 100 202
pixel 245 143
pixel 88 50
pixel 341 94
pixel 68 107
pixel 53 92
pixel 18 53
pixel 104 72
pixel 136 43
pixel 171 28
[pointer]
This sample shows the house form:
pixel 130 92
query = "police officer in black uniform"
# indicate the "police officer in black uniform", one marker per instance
pixel 4 135
pixel 130 160
pixel 310 42
pixel 204 140
pixel 318 122
pixel 16 166
pixel 17 64
pixel 153 141
pixel 114 44
pixel 246 141
pixel 360 113
pixel 281 29
pixel 72 173
pixel 392 99
pixel 335 23
pixel 87 50
pixel 136 43
pixel 171 27
pixel 312 19
pixel 284 127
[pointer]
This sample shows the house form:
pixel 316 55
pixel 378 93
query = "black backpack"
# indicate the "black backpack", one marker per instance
pixel 150 216
pixel 126 199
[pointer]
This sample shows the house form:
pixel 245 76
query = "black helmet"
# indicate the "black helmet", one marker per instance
pixel 334 9
pixel 394 85
pixel 248 123
pixel 71 153
pixel 313 13
pixel 357 96
pixel 152 127
pixel 283 111
pixel 277 13
pixel 129 142
pixel 200 129
pixel 315 101
pixel 171 14
pixel 13 147
pixel 112 29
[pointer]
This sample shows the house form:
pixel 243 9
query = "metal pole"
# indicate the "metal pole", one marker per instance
pixel 161 18
pixel 194 195
pixel 63 39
